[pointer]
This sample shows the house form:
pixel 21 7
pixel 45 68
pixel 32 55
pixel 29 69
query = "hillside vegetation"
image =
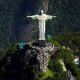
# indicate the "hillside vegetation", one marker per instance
pixel 20 64
pixel 13 19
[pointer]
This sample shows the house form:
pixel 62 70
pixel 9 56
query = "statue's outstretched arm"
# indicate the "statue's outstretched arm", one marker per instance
pixel 54 16
pixel 50 17
pixel 32 17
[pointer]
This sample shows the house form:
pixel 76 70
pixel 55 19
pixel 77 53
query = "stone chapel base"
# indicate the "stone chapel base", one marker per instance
pixel 42 43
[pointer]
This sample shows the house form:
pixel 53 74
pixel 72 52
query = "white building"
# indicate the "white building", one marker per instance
pixel 76 60
pixel 63 65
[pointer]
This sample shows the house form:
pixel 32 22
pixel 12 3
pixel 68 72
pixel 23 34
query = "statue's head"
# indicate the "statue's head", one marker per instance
pixel 42 11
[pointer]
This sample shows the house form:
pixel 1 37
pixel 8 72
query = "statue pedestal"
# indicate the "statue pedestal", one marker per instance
pixel 42 43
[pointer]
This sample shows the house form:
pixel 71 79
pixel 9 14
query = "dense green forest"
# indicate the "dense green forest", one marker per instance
pixel 18 64
pixel 13 18
pixel 8 10
pixel 71 40
pixel 15 63
pixel 67 12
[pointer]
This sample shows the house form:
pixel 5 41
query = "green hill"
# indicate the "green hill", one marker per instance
pixel 19 64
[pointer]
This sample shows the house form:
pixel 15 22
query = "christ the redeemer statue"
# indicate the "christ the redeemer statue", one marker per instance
pixel 41 20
